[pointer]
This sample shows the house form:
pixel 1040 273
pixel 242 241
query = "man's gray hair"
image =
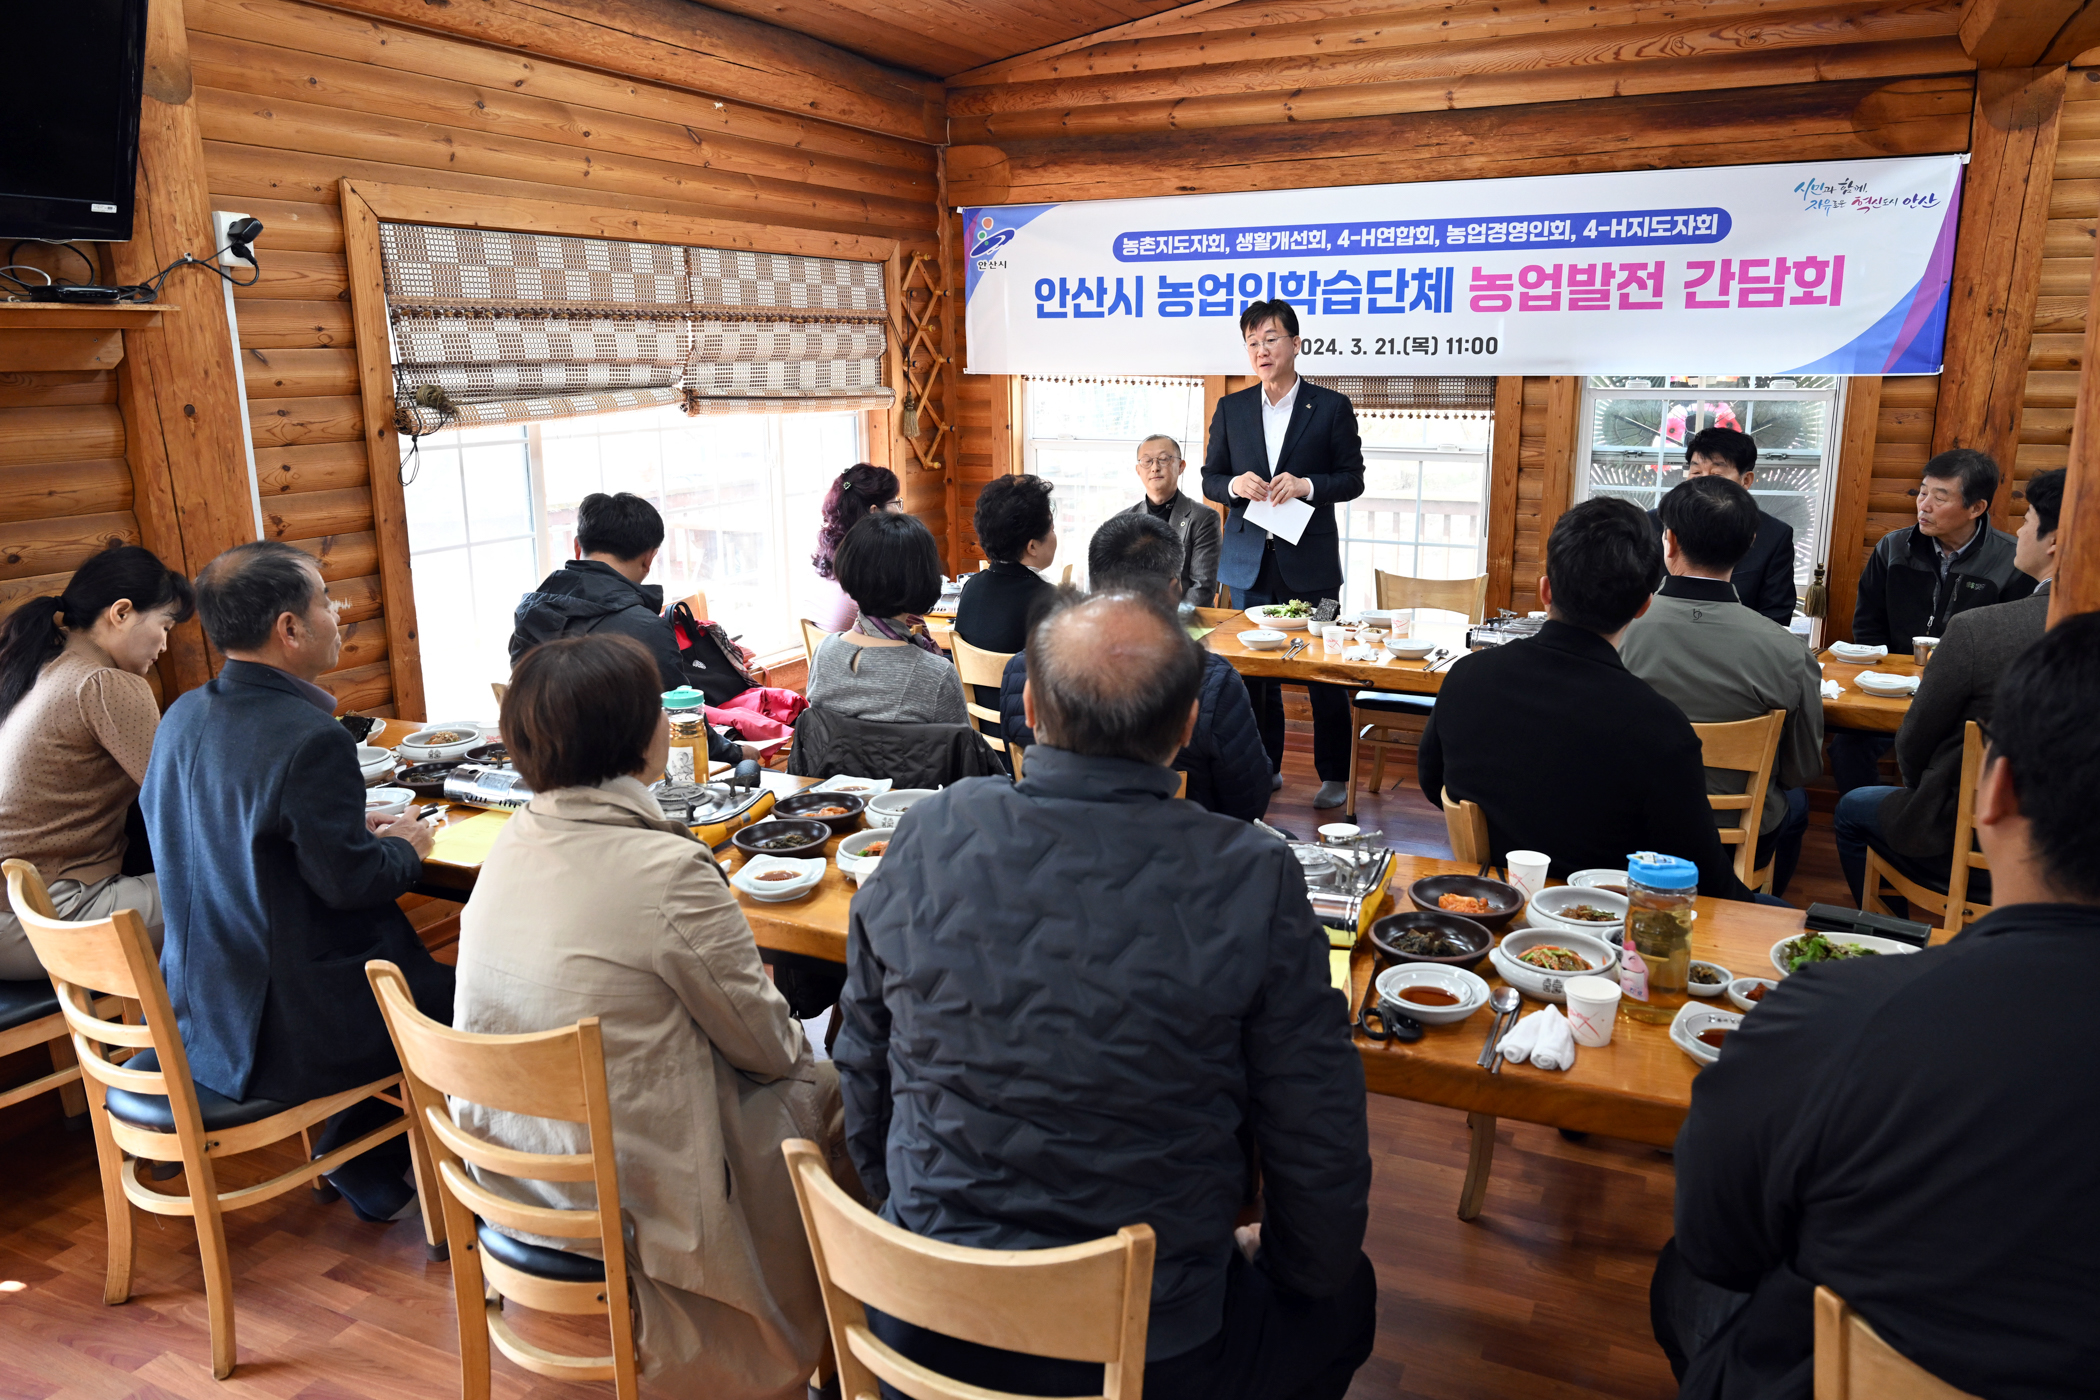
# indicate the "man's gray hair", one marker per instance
pixel 1162 437
pixel 1114 675
pixel 242 593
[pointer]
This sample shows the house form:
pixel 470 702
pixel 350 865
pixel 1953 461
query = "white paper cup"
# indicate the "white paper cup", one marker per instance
pixel 1337 833
pixel 1527 870
pixel 1333 636
pixel 1593 1004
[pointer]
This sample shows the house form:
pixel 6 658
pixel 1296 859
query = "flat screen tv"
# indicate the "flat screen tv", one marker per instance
pixel 69 118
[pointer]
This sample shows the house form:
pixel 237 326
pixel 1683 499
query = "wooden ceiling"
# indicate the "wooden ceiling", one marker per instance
pixel 944 37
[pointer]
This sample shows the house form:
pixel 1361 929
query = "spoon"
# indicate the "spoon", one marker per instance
pixel 1504 1002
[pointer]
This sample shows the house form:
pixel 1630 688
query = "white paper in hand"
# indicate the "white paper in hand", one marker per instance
pixel 1286 521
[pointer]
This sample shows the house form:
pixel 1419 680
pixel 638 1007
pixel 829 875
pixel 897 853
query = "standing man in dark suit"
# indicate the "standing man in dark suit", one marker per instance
pixel 276 886
pixel 1193 523
pixel 1763 578
pixel 1286 440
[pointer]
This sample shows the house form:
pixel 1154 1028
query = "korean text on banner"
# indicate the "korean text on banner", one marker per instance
pixel 1827 267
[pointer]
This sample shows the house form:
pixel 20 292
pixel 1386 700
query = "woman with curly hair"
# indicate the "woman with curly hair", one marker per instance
pixel 861 490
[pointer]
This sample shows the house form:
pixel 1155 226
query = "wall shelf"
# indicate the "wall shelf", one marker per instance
pixel 56 316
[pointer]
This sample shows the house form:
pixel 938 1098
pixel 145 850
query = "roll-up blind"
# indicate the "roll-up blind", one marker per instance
pixel 500 327
pixel 777 332
pixel 1414 395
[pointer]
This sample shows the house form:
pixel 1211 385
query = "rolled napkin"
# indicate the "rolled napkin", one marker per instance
pixel 1832 690
pixel 1544 1038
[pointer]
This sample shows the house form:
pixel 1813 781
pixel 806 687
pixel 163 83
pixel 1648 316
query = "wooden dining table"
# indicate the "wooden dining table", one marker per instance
pixel 1637 1088
pixel 1861 709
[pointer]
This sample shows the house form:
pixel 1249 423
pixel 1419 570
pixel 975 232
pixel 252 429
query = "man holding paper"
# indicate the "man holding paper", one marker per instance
pixel 1281 454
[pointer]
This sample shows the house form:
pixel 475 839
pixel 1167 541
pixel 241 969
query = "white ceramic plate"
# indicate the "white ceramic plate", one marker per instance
pixel 889 809
pixel 1409 650
pixel 1709 989
pixel 1471 991
pixel 807 874
pixel 1864 940
pixel 1547 904
pixel 1264 638
pixel 1590 879
pixel 1263 617
pixel 1875 683
pixel 1693 1018
pixel 869 788
pixel 388 801
pixel 849 854
pixel 1739 990
pixel 1541 985
pixel 1855 654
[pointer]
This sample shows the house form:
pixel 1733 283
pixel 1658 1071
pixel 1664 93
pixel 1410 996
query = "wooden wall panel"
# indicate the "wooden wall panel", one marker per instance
pixel 293 98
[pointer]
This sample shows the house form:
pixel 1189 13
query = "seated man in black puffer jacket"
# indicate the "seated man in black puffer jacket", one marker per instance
pixel 1228 768
pixel 1061 1018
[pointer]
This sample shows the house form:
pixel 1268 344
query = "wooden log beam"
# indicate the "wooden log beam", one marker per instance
pixel 692 47
pixel 1998 265
pixel 1503 454
pixel 1301 58
pixel 1809 121
pixel 1040 62
pixel 1848 514
pixel 2077 585
pixel 2028 33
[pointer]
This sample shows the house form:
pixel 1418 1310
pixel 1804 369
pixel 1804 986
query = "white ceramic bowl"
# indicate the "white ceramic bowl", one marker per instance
pixel 1547 906
pixel 375 763
pixel 1709 989
pixel 1409 650
pixel 1471 991
pixel 1536 982
pixel 807 873
pixel 889 809
pixel 1591 879
pixel 1857 655
pixel 849 854
pixel 1881 683
pixel 387 801
pixel 1261 617
pixel 417 748
pixel 1864 940
pixel 1263 639
pixel 1694 1018
pixel 1739 990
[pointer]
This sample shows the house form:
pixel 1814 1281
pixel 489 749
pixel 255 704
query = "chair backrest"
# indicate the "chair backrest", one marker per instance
pixel 1466 826
pixel 112 956
pixel 1854 1363
pixel 812 636
pixel 1968 855
pixel 978 667
pixel 1749 747
pixel 697 605
pixel 557 1074
pixel 1066 577
pixel 1085 1302
pixel 1459 595
pixel 500 689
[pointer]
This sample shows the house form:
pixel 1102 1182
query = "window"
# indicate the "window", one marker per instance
pixel 492 511
pixel 1423 511
pixel 1637 427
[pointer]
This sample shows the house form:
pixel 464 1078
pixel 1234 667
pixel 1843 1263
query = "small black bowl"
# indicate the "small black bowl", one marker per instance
pixel 1386 932
pixel 1505 901
pixel 493 755
pixel 802 804
pixel 772 829
pixel 426 780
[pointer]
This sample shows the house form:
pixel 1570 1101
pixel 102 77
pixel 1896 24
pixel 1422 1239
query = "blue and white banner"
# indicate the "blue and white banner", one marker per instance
pixel 1825 267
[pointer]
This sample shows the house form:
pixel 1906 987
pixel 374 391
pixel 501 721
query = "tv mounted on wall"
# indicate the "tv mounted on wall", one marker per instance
pixel 69 119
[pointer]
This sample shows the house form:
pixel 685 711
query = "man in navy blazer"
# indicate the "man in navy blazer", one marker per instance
pixel 1283 440
pixel 277 887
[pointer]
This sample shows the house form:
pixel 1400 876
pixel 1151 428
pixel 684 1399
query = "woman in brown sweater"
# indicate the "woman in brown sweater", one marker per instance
pixel 76 728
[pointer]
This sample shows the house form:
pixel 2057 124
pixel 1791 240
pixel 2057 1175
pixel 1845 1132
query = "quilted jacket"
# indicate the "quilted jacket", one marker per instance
pixel 1069 1004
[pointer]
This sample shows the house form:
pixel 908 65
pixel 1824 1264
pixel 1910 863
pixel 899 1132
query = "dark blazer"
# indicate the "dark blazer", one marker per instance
pixel 1570 753
pixel 1763 578
pixel 275 894
pixel 1197 526
pixel 992 614
pixel 1322 446
pixel 1057 1020
pixel 1918 818
pixel 1227 766
pixel 1915 1134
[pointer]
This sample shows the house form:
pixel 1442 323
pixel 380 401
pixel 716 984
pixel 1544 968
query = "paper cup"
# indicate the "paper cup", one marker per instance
pixel 1527 870
pixel 1593 1004
pixel 1339 833
pixel 1333 636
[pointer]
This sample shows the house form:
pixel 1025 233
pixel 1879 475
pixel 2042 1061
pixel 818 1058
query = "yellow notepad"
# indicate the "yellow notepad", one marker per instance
pixel 1340 937
pixel 468 842
pixel 1338 968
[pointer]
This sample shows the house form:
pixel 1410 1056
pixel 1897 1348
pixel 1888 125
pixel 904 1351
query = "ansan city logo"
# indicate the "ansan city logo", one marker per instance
pixel 989 240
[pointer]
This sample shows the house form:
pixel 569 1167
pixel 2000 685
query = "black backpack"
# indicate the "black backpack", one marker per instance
pixel 710 662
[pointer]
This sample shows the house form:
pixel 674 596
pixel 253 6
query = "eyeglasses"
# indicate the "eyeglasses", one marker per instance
pixel 1167 461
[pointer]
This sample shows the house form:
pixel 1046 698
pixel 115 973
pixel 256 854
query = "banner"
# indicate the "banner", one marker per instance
pixel 1824 267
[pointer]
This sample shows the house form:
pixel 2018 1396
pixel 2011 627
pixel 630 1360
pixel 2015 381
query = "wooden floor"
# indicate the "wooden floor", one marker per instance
pixel 1543 1297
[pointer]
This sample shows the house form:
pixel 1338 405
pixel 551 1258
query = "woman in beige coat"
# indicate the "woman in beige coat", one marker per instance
pixel 592 904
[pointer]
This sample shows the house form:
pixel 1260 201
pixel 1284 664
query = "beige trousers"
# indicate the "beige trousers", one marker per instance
pixel 74 900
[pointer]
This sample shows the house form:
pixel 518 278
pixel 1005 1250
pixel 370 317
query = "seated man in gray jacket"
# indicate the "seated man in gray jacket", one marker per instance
pixel 1707 653
pixel 1060 1018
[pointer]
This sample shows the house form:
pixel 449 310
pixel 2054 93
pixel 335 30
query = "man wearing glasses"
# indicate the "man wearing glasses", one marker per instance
pixel 1193 523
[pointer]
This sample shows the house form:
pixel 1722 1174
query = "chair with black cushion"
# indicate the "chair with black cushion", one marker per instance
pixel 1386 720
pixel 29 1017
pixel 558 1075
pixel 148 1108
pixel 1854 1363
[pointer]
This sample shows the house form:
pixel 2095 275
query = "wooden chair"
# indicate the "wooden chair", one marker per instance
pixel 148 1107
pixel 557 1074
pixel 1952 904
pixel 812 637
pixel 500 689
pixel 1466 827
pixel 1066 578
pixel 1749 747
pixel 1387 719
pixel 29 1017
pixel 979 667
pixel 1854 1363
pixel 1083 1302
